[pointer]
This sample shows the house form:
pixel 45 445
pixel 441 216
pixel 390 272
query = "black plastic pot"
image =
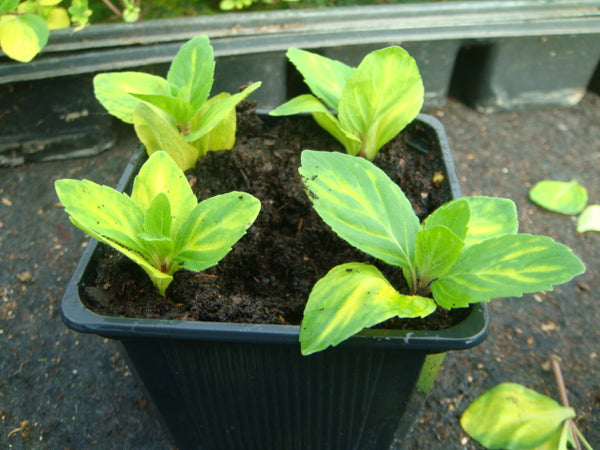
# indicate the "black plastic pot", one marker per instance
pixel 246 386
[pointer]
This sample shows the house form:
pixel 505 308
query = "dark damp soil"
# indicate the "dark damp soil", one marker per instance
pixel 268 275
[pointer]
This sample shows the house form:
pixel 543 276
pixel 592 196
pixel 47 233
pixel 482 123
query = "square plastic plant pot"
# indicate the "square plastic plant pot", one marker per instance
pixel 247 386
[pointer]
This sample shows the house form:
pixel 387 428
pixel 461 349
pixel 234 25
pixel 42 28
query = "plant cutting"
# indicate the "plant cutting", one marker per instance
pixel 175 114
pixel 161 227
pixel 25 25
pixel 467 251
pixel 373 101
pixel 512 416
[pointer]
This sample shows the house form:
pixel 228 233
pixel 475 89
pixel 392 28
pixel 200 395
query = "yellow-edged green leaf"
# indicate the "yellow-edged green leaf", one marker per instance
pixel 511 416
pixel 490 217
pixel 113 91
pixel 161 175
pixel 308 103
pixel 348 299
pixel 589 219
pixel 507 266
pixel 23 36
pixel 180 109
pixel 453 215
pixel 325 77
pixel 565 197
pixel 103 211
pixel 157 133
pixel 436 250
pixel 362 205
pixel 192 70
pixel 222 136
pixel 382 96
pixel 213 227
pixel 218 111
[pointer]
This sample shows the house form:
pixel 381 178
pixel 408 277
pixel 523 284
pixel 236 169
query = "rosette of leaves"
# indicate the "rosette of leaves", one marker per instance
pixel 175 114
pixel 161 226
pixel 373 101
pixel 25 25
pixel 467 251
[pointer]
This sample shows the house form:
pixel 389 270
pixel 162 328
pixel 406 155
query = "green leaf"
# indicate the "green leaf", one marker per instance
pixel 213 227
pixel 308 103
pixel 157 217
pixel 8 5
pixel 161 175
pixel 437 249
pixel 559 196
pixel 24 36
pixel 57 19
pixel 325 77
pixel 490 217
pixel 349 298
pixel 362 205
pixel 589 220
pixel 222 136
pixel 80 13
pixel 217 112
pixel 511 416
pixel 382 96
pixel 102 211
pixel 113 91
pixel 156 133
pixel 507 266
pixel 192 70
pixel 180 109
pixel 453 215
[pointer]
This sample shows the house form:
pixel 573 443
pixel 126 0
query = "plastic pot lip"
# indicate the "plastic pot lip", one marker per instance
pixel 467 334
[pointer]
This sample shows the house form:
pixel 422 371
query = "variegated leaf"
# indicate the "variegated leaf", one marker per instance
pixel 565 197
pixel 325 77
pixel 490 217
pixel 113 91
pixel 161 175
pixel 362 205
pixel 157 133
pixel 191 73
pixel 382 96
pixel 217 111
pixel 511 416
pixel 507 266
pixel 212 228
pixel 349 298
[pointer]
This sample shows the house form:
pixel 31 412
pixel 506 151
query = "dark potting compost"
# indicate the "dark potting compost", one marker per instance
pixel 269 274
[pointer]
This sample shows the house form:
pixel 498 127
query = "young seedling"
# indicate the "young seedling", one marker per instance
pixel 161 227
pixel 511 416
pixel 25 25
pixel 373 101
pixel 467 251
pixel 175 114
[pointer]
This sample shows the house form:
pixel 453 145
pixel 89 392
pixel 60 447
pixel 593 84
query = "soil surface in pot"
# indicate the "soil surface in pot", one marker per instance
pixel 268 275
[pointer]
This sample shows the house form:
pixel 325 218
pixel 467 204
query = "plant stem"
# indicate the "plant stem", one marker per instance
pixel 562 392
pixel 113 8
